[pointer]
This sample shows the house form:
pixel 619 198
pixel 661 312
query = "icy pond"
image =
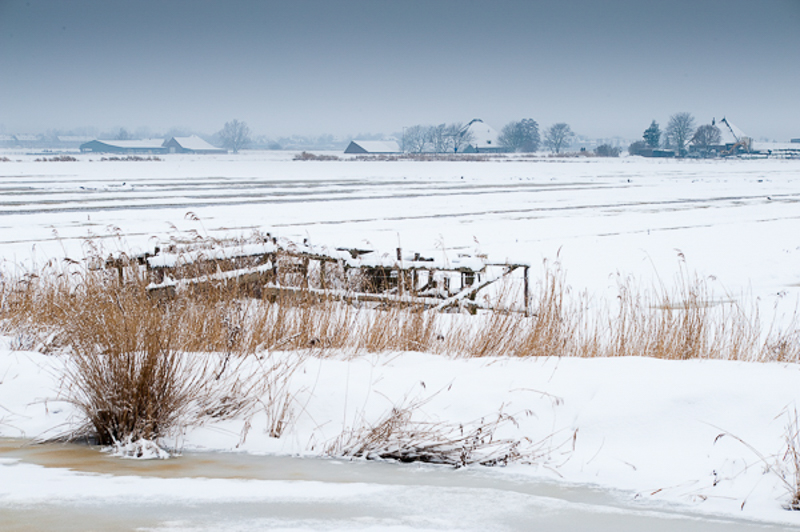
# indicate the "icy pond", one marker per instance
pixel 236 491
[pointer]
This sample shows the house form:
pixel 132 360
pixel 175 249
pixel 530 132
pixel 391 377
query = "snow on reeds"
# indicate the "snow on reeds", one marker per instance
pixel 398 435
pixel 141 364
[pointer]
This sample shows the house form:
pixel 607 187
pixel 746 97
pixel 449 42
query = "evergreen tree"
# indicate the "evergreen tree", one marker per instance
pixel 652 135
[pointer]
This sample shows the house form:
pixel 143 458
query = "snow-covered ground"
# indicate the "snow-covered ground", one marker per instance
pixel 645 427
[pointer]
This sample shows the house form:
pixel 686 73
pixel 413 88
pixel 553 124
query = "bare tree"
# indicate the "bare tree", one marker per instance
pixel 458 136
pixel 679 131
pixel 437 136
pixel 123 134
pixel 558 136
pixel 522 136
pixel 235 135
pixel 416 139
pixel 706 136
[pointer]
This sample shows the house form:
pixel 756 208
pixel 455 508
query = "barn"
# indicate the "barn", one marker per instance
pixel 193 144
pixel 373 146
pixel 124 146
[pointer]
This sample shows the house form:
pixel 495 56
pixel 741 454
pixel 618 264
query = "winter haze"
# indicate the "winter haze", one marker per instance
pixel 357 66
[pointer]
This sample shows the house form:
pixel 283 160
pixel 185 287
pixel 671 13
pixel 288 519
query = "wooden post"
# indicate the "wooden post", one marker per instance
pixel 304 271
pixel 525 271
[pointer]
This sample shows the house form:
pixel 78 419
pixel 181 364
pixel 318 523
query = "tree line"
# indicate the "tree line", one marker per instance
pixel 523 136
pixel 520 136
pixel 679 134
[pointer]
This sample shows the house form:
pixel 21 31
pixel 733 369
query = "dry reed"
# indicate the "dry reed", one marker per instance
pixel 133 372
pixel 92 310
pixel 396 436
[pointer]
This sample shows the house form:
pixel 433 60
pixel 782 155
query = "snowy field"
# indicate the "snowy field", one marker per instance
pixel 643 431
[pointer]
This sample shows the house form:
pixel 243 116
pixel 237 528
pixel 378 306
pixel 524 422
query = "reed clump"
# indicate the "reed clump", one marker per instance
pixel 398 436
pixel 139 366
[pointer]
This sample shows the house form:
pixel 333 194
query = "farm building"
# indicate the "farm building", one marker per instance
pixel 193 144
pixel 484 138
pixel 373 146
pixel 732 138
pixel 124 146
pixel 734 141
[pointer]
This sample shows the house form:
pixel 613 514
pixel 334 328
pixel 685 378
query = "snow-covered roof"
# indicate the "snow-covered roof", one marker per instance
pixel 484 135
pixel 375 146
pixel 775 146
pixel 74 138
pixel 194 143
pixel 729 134
pixel 141 143
pixel 27 138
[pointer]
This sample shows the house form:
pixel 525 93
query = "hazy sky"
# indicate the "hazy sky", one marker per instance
pixel 357 66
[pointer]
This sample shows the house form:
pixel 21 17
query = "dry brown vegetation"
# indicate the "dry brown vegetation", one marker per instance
pixel 426 157
pixel 308 156
pixel 141 363
pixel 396 436
pixel 131 158
pixel 56 159
pixel 89 310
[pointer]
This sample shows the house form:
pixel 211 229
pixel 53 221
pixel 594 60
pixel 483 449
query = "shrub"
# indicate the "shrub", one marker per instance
pixel 56 159
pixel 637 148
pixel 607 150
pixel 306 156
pixel 131 158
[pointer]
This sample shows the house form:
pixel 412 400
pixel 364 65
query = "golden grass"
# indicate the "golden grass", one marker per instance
pixel 132 370
pixel 92 311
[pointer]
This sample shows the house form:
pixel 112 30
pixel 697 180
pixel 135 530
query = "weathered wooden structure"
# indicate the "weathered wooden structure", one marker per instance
pixel 267 267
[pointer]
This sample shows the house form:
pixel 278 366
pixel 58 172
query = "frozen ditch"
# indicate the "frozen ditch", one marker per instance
pixel 236 491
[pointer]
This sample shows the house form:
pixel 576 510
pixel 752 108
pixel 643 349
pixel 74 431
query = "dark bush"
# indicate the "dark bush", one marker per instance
pixel 637 148
pixel 607 150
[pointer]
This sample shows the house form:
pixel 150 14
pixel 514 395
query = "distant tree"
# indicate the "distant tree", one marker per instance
pixel 652 135
pixel 637 148
pixel 679 130
pixel 416 139
pixel 558 136
pixel 123 134
pixel 706 136
pixel 437 137
pixel 235 135
pixel 607 150
pixel 522 136
pixel 458 137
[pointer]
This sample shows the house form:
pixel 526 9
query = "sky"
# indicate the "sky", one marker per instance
pixel 349 67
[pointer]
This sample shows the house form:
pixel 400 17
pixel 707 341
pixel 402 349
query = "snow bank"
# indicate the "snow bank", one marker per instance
pixel 648 427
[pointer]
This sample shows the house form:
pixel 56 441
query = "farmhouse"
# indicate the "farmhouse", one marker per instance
pixel 734 141
pixel 484 138
pixel 373 146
